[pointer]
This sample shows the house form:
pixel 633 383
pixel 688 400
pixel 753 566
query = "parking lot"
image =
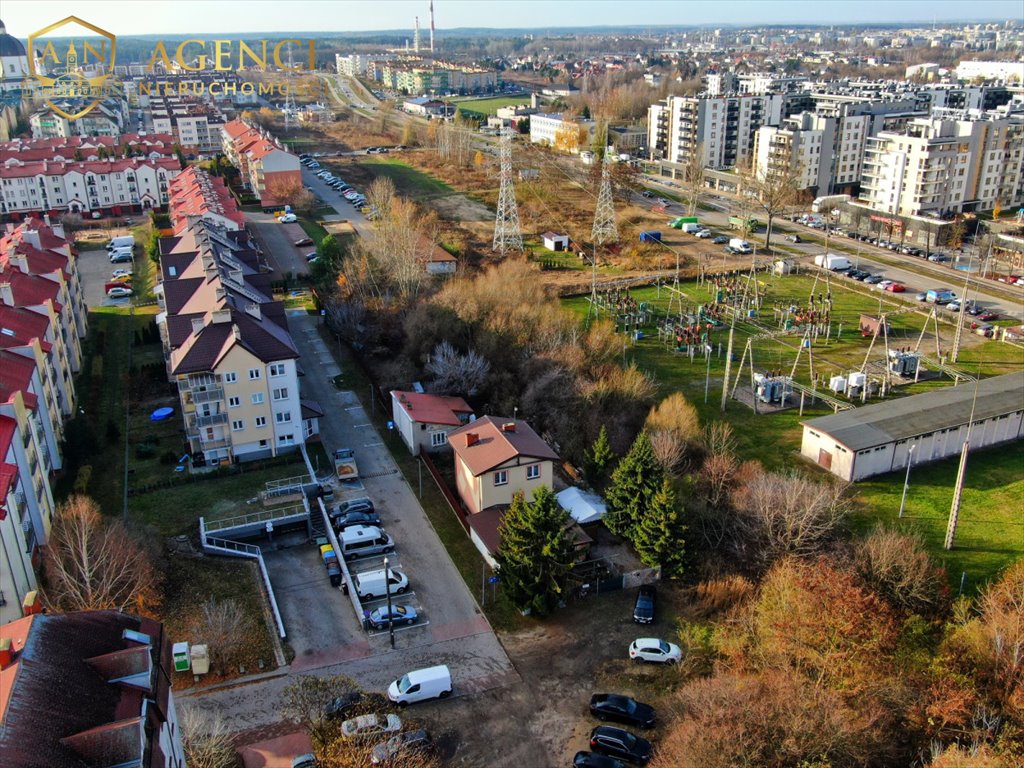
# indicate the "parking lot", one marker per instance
pixel 278 243
pixel 94 269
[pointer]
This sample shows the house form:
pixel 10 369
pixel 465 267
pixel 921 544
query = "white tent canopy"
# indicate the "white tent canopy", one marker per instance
pixel 582 507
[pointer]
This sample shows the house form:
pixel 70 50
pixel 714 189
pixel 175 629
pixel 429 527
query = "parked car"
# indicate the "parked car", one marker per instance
pixel 873 279
pixel 121 272
pixel 594 760
pixel 794 238
pixel 702 233
pixel 121 257
pixel 119 292
pixel 370 725
pixel 985 329
pixel 720 239
pixel 361 504
pixel 623 709
pixel 303 241
pixel 400 614
pixel 356 517
pixel 655 650
pixel 643 610
pixel 121 279
pixel 398 746
pixel 896 288
pixel 922 296
pixel 311 257
pixel 288 218
pixel 616 742
pixel 988 316
pixel 340 706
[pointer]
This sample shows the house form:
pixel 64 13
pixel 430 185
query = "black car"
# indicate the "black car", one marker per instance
pixel 643 611
pixel 719 239
pixel 622 709
pixel 356 517
pixel 340 706
pixel 616 742
pixel 594 760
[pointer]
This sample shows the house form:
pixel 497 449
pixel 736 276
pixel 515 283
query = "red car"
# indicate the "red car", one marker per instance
pixel 896 287
pixel 988 316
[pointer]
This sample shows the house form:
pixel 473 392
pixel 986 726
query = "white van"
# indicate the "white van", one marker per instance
pixel 120 241
pixel 374 584
pixel 362 540
pixel 420 685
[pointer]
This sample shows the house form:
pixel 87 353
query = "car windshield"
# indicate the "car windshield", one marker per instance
pixel 663 646
pixel 404 683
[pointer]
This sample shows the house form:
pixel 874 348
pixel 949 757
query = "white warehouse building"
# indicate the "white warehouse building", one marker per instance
pixel 879 438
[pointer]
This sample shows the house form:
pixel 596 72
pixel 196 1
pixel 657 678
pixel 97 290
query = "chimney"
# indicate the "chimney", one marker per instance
pixel 236 331
pixel 6 653
pixel 31 605
pixel 508 426
pixel 221 315
pixel 197 325
pixel 6 294
pixel 253 309
pixel 472 438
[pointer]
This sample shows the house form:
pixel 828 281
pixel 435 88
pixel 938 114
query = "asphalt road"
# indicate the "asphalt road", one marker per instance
pixel 94 271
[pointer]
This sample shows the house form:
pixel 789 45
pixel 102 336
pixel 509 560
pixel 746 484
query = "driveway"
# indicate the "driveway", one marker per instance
pixel 278 243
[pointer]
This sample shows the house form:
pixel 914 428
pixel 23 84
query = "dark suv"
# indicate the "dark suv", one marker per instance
pixel 643 611
pixel 617 742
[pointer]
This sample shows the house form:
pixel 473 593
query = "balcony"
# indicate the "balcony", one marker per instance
pixel 212 420
pixel 208 395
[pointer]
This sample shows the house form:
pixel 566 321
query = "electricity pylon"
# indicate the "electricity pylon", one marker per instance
pixel 604 230
pixel 507 235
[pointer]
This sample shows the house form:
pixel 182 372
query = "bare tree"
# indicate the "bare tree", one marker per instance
pixel 669 449
pixel 897 566
pixel 225 628
pixel 772 190
pixel 293 193
pixel 693 179
pixel 306 698
pixel 94 564
pixel 206 740
pixel 786 513
pixel 454 372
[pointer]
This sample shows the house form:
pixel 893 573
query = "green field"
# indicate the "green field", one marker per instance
pixel 490 106
pixel 988 540
pixel 408 181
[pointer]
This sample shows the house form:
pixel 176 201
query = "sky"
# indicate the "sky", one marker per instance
pixel 131 17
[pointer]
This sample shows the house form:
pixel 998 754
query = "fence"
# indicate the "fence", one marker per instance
pixel 442 485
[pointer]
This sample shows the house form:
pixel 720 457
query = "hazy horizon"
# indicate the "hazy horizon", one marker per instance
pixel 121 17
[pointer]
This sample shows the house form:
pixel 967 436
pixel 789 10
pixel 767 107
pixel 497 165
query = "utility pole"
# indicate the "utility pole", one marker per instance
pixel 958 489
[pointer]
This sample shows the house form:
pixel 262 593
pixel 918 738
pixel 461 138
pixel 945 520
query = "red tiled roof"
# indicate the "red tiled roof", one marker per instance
pixel 30 290
pixel 99 167
pixel 16 376
pixel 235 128
pixel 193 192
pixel 495 446
pixel 431 409
pixel 18 326
pixel 8 478
pixel 8 427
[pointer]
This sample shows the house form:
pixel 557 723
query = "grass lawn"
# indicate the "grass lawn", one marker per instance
pixel 408 180
pixel 990 528
pixel 490 106
pixel 314 230
pixel 191 582
pixel 464 554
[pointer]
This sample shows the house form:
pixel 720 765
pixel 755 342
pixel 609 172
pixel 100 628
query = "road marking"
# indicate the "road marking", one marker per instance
pixel 357 426
pixel 371 445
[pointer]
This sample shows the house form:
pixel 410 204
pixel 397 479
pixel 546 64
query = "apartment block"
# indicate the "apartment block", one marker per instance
pixel 106 119
pixel 195 124
pixel 87 688
pixel 949 163
pixel 228 349
pixel 553 129
pixel 722 128
pixel 105 186
pixel 265 166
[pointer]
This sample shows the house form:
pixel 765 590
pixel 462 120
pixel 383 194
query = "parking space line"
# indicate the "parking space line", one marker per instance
pixel 403 628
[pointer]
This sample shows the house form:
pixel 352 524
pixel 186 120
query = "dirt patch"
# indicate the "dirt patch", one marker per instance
pixel 462 209
pixel 543 721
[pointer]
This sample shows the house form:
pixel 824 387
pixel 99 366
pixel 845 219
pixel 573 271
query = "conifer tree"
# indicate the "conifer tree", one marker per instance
pixel 599 461
pixel 634 484
pixel 536 552
pixel 659 536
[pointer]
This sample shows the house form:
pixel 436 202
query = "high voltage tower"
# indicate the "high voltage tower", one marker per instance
pixel 604 230
pixel 507 235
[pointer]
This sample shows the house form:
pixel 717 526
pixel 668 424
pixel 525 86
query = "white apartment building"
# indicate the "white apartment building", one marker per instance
pixel 103 120
pixel 949 163
pixel 827 151
pixel 106 186
pixel 192 123
pixel 991 70
pixel 722 126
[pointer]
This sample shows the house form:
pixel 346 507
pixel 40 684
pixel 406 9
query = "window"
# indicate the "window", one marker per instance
pixel 234 402
pixel 254 374
pixel 501 477
pixel 277 369
pixel 261 421
pixel 438 438
pixel 285 439
pixel 284 417
pixel 281 393
pixel 237 425
pixel 230 377
pixel 257 398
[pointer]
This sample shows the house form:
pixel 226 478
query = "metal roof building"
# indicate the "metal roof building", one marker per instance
pixel 882 438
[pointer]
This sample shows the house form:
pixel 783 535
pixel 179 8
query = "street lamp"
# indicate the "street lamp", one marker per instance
pixel 387 591
pixel 906 480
